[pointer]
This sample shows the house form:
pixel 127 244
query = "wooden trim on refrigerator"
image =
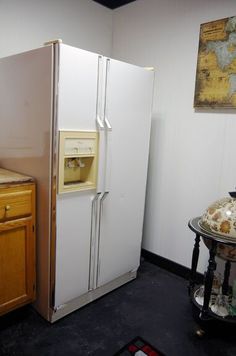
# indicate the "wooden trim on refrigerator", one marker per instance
pixel 54 164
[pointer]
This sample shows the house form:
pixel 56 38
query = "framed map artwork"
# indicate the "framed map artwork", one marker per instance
pixel 216 66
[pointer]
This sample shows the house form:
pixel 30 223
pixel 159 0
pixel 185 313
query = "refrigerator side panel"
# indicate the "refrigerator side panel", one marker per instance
pixel 77 107
pixel 26 88
pixel 128 116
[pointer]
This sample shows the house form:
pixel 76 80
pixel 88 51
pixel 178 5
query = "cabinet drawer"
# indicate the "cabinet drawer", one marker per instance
pixel 16 204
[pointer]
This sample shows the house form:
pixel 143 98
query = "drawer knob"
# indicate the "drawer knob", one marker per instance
pixel 7 207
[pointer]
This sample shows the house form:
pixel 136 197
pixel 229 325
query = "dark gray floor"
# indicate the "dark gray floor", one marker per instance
pixel 155 306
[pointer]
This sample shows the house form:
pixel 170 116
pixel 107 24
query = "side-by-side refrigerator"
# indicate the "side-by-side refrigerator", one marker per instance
pixel 80 124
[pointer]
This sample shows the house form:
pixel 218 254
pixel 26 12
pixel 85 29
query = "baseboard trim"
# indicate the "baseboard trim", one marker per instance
pixel 169 265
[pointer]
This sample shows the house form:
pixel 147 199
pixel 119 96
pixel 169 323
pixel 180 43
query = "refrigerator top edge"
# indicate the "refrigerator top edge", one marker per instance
pixel 31 51
pixel 146 69
pixel 59 42
pixel 79 49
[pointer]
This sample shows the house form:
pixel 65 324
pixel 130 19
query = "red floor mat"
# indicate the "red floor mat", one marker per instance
pixel 139 347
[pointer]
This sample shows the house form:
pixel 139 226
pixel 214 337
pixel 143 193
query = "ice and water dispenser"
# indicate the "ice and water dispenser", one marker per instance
pixel 78 151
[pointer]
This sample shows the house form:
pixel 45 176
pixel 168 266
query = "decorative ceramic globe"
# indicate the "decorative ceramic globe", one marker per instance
pixel 220 219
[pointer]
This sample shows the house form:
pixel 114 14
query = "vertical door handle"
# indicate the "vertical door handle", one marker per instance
pixel 108 129
pixel 99 120
pixel 99 123
pixel 102 198
pixel 108 125
pixel 93 238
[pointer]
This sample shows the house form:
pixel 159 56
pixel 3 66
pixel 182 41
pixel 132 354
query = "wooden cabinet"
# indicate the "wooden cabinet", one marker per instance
pixel 17 240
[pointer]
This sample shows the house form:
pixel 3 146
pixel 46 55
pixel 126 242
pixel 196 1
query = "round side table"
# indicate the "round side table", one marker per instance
pixel 213 241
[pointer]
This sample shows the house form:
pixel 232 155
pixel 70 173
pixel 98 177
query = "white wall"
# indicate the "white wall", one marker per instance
pixel 27 24
pixel 192 157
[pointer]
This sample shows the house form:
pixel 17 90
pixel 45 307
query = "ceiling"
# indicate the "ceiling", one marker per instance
pixel 113 4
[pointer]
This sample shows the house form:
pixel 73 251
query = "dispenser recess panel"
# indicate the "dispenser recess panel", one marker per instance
pixel 81 146
pixel 78 153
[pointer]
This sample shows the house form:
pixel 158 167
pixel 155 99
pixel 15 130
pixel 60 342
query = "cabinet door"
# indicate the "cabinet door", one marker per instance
pixel 17 264
pixel 128 109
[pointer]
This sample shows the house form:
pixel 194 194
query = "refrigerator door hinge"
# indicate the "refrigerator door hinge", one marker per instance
pixel 149 68
pixel 50 42
pixel 55 309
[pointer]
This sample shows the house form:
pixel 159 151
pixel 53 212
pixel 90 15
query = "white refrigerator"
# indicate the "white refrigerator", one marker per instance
pixel 80 124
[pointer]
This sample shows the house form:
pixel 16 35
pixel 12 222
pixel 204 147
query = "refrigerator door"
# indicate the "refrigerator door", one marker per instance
pixel 127 118
pixel 77 111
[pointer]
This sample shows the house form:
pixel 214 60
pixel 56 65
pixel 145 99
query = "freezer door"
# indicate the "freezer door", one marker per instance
pixel 127 119
pixel 77 111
